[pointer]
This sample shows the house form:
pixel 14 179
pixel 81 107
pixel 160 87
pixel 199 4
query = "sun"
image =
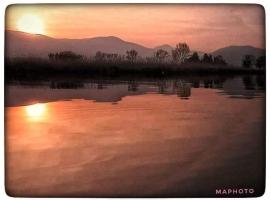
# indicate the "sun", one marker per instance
pixel 31 24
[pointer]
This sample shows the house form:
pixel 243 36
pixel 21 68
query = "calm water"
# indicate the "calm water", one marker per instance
pixel 181 137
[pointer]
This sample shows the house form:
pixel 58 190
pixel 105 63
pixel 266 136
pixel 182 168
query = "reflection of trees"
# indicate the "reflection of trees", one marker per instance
pixel 101 85
pixel 208 83
pixel 248 82
pixel 218 83
pixel 66 85
pixel 196 83
pixel 133 86
pixel 260 81
pixel 162 86
pixel 183 90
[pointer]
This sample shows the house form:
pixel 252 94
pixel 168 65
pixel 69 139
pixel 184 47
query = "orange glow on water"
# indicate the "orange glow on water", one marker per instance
pixel 36 111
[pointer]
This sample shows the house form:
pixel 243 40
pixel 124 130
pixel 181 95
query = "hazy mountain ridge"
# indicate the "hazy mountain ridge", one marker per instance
pixel 234 54
pixel 40 45
pixel 20 44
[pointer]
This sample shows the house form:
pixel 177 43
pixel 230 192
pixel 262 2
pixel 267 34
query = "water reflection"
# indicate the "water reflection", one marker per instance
pixel 133 86
pixel 247 87
pixel 36 112
pixel 162 86
pixel 249 82
pixel 65 85
pixel 146 145
pixel 260 81
pixel 183 90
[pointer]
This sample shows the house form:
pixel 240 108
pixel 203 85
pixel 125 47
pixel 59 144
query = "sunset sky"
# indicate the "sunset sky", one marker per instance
pixel 203 27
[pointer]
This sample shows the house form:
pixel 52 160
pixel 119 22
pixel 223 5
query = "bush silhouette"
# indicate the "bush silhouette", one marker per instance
pixel 207 58
pixel 219 60
pixel 132 55
pixel 261 62
pixel 65 55
pixel 248 61
pixel 194 58
pixel 160 55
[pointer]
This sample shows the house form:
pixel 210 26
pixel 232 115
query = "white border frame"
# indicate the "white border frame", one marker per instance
pixel 5 3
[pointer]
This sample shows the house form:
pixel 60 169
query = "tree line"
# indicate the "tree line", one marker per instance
pixel 180 54
pixel 250 61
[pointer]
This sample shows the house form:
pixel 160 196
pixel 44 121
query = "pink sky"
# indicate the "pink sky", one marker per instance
pixel 203 27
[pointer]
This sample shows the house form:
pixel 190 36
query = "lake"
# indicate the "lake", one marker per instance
pixel 181 137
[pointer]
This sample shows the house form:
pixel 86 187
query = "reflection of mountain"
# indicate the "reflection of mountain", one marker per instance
pixel 244 87
pixel 98 91
pixel 21 95
pixel 112 91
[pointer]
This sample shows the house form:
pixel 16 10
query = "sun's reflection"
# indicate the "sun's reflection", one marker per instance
pixel 36 111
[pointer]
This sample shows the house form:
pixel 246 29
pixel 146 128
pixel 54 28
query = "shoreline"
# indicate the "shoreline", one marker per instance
pixel 38 69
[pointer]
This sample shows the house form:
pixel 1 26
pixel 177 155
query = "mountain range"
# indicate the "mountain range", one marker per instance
pixel 21 44
pixel 235 54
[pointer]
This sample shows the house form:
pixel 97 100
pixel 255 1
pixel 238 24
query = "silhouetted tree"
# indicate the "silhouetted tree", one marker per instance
pixel 100 56
pixel 161 55
pixel 260 62
pixel 219 60
pixel 150 60
pixel 180 53
pixel 248 61
pixel 107 57
pixel 211 60
pixel 132 55
pixel 194 58
pixel 112 57
pixel 207 58
pixel 51 56
pixel 56 56
pixel 64 55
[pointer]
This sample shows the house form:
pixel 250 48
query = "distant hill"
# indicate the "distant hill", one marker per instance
pixel 234 54
pixel 166 47
pixel 20 44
